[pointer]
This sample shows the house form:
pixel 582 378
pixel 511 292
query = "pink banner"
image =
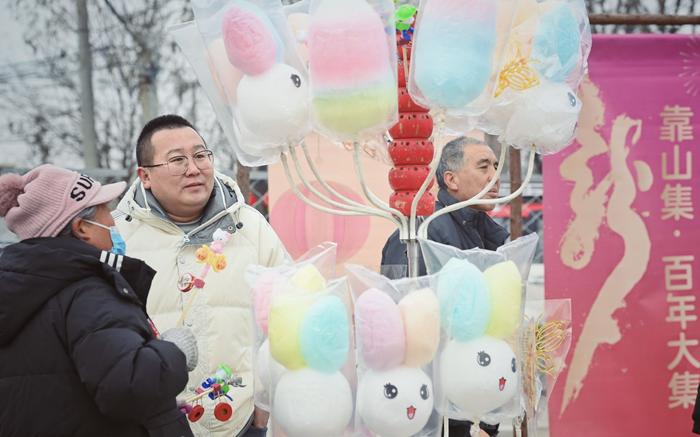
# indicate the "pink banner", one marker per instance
pixel 622 241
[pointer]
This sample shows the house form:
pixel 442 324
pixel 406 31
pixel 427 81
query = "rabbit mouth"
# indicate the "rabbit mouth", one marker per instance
pixel 501 384
pixel 411 412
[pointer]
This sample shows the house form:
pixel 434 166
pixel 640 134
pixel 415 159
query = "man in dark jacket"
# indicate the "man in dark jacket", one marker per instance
pixel 78 355
pixel 465 167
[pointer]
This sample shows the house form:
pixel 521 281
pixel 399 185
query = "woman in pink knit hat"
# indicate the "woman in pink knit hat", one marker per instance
pixel 78 355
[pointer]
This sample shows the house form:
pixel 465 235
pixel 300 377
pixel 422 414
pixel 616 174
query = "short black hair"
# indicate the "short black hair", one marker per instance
pixel 144 147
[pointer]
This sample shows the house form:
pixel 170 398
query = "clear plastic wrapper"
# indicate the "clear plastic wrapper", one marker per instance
pixel 254 69
pixel 352 68
pixel 397 330
pixel 482 295
pixel 311 274
pixel 545 60
pixel 457 48
pixel 304 361
pixel 546 339
pixel 310 336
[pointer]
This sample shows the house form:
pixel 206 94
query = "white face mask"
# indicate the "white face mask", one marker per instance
pixel 118 243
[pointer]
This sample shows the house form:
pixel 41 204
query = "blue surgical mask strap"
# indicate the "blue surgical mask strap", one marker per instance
pixel 118 243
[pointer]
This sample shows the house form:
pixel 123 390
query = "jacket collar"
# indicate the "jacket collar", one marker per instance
pixel 492 234
pixel 464 216
pixel 226 198
pixel 134 273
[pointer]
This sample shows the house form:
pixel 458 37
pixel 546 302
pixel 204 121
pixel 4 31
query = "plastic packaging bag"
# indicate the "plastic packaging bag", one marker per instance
pixel 482 295
pixel 457 50
pixel 397 326
pixel 303 360
pixel 253 63
pixel 545 60
pixel 352 68
pixel 310 273
pixel 546 339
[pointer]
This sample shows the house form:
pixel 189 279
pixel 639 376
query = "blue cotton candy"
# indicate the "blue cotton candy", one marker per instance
pixel 452 64
pixel 465 301
pixel 557 43
pixel 325 335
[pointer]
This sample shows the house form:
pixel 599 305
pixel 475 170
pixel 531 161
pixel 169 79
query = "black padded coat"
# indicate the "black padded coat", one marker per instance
pixel 78 355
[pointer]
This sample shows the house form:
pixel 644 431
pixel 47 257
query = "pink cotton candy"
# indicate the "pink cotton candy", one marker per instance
pixel 348 46
pixel 262 296
pixel 249 39
pixel 380 333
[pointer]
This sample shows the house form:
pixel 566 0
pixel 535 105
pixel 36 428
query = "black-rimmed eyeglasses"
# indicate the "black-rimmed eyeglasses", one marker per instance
pixel 177 165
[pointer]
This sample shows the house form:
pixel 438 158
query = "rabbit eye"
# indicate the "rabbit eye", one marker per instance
pixel 512 365
pixel 390 391
pixel 296 80
pixel 483 359
pixel 572 99
pixel 424 392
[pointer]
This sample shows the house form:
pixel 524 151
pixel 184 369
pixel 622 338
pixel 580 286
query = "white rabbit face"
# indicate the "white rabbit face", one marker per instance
pixel 274 105
pixel 309 403
pixel 480 375
pixel 396 402
pixel 545 116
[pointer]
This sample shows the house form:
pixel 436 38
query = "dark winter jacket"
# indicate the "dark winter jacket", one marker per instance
pixel 465 228
pixel 78 356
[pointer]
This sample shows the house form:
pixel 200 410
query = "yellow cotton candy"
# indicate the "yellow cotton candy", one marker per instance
pixel 420 311
pixel 286 314
pixel 308 278
pixel 346 115
pixel 505 286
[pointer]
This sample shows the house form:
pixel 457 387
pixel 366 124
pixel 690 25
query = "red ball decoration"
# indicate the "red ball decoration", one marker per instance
pixel 412 125
pixel 411 151
pixel 408 177
pixel 402 200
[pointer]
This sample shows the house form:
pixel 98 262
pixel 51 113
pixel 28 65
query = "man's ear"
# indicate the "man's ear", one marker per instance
pixel 80 229
pixel 145 177
pixel 451 180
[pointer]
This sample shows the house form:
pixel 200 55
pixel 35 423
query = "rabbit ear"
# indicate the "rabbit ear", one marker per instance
pixel 465 302
pixel 287 313
pixel 308 278
pixel 251 41
pixel 380 332
pixel 421 319
pixel 506 288
pixel 325 335
pixel 262 294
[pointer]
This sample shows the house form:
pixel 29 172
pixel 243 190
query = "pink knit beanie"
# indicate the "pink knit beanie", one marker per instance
pixel 44 200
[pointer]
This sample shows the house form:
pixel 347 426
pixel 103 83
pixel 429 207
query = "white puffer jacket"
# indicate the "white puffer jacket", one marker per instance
pixel 220 315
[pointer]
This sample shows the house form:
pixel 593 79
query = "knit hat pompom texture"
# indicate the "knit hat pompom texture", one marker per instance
pixel 11 186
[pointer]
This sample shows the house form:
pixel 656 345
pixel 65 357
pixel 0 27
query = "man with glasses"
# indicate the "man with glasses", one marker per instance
pixel 178 204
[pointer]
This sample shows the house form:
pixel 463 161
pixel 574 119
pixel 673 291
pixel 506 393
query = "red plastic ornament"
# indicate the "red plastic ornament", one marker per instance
pixel 408 177
pixel 196 413
pixel 411 151
pixel 223 411
pixel 412 125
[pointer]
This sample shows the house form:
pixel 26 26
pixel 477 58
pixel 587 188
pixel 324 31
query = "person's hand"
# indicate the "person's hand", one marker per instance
pixel 186 342
pixel 260 418
pixel 183 406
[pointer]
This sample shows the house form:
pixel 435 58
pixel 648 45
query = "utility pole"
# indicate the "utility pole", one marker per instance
pixel 148 93
pixel 87 99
